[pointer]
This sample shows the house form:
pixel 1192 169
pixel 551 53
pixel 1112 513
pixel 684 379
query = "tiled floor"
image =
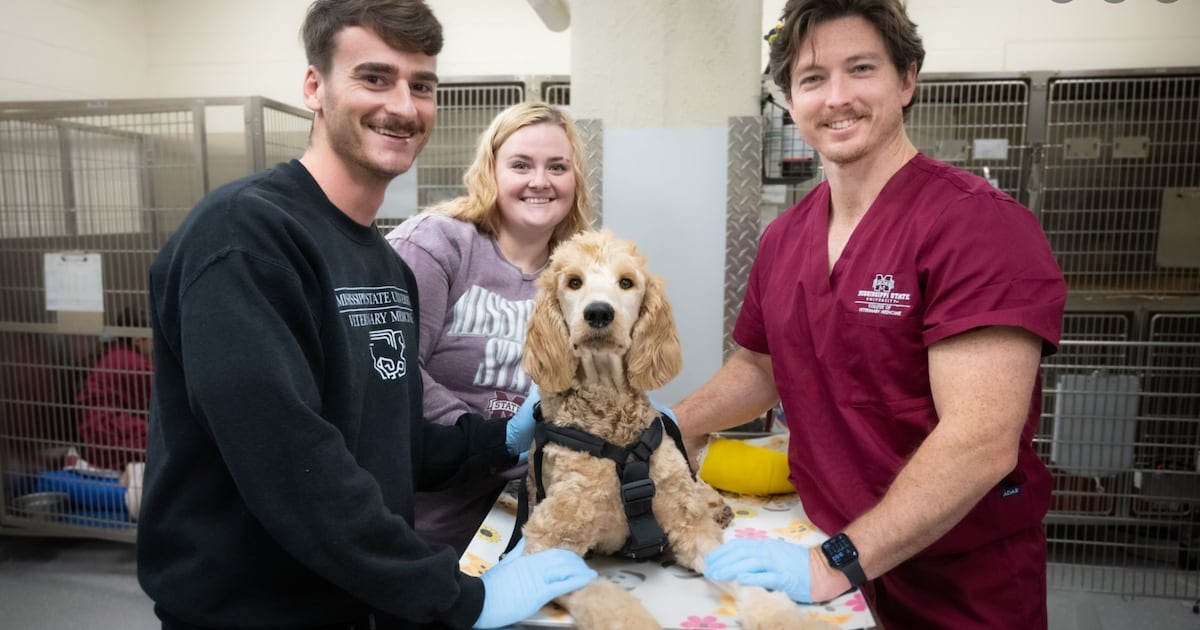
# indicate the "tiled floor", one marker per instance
pixel 53 583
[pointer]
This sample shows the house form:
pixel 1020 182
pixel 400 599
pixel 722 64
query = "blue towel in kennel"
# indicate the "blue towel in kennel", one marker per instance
pixel 86 491
pixel 90 517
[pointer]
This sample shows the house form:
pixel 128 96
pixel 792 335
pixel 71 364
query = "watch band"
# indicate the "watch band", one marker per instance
pixel 854 571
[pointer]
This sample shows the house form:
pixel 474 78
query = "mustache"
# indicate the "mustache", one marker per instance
pixel 399 125
pixel 840 116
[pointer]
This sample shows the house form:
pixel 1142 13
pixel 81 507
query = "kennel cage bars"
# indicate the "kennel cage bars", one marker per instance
pixel 464 112
pixel 1115 157
pixel 1120 430
pixel 106 181
pixel 1119 153
pixel 121 198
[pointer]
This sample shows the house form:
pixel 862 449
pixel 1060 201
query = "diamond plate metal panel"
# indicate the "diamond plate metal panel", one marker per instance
pixel 743 200
pixel 591 135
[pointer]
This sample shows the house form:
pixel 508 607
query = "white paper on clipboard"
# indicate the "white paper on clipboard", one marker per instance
pixel 74 282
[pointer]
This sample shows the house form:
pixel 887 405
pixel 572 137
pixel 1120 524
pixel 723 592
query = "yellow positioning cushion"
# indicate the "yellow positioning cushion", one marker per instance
pixel 735 466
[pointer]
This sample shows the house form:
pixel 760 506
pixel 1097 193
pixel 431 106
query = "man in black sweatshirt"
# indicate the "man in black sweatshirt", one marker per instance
pixel 286 433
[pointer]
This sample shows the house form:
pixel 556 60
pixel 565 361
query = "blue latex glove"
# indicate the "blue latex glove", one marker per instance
pixel 519 585
pixel 772 564
pixel 519 432
pixel 663 409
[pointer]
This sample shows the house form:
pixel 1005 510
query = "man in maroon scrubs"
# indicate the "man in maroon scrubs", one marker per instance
pixel 900 312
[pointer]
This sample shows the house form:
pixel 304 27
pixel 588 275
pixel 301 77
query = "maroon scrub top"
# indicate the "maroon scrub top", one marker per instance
pixel 940 252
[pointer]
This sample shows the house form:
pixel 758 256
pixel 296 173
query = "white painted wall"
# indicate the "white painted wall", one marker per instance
pixel 83 49
pixel 72 49
pixel 236 47
pixel 673 67
pixel 1023 35
pixel 225 48
pixel 1018 35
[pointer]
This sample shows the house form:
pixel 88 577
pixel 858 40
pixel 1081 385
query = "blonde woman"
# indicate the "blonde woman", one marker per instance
pixel 476 258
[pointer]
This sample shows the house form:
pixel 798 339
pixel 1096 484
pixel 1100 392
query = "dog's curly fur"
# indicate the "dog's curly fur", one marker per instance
pixel 602 334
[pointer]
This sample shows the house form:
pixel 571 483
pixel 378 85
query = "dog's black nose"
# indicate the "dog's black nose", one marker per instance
pixel 598 314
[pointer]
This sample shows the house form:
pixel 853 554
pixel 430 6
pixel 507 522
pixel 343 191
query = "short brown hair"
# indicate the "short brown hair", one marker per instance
pixel 406 25
pixel 480 206
pixel 799 17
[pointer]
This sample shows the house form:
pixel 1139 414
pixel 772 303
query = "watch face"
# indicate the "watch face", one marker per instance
pixel 840 551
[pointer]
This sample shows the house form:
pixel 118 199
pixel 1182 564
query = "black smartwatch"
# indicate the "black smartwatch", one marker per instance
pixel 843 556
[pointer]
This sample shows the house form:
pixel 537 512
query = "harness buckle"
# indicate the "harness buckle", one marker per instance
pixel 637 496
pixel 646 539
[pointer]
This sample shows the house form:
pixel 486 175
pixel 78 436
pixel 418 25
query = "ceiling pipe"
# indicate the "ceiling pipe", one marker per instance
pixel 555 14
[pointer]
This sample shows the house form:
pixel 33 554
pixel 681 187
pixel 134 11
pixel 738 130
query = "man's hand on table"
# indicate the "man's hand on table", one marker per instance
pixel 771 564
pixel 798 571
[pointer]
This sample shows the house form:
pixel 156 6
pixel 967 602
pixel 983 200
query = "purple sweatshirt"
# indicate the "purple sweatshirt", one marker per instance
pixel 475 307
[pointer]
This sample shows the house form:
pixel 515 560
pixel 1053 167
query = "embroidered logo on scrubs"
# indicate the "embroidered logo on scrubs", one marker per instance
pixel 883 284
pixel 881 298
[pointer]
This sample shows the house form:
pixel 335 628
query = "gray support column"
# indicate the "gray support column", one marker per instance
pixel 674 86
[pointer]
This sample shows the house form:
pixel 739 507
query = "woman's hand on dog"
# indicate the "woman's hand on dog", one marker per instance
pixel 519 432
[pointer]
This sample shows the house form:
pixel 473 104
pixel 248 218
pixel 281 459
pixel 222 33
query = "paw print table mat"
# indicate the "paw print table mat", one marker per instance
pixel 678 597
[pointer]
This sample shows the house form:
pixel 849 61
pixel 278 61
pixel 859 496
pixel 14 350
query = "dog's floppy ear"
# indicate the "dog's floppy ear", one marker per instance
pixel 547 358
pixel 654 356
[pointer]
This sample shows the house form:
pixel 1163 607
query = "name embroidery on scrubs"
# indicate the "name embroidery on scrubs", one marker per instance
pixel 880 299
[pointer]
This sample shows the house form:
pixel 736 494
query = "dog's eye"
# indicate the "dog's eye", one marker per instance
pixel 626 283
pixel 574 283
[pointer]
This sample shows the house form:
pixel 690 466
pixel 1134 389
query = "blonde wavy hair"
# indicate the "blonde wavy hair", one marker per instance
pixel 480 206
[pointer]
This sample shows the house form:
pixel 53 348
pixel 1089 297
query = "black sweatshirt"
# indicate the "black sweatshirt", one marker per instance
pixel 286 434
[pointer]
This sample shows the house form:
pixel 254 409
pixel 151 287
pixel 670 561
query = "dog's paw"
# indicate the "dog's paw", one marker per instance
pixel 603 605
pixel 724 515
pixel 507 502
pixel 759 609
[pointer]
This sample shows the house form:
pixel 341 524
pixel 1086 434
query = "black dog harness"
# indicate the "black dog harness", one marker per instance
pixel 646 537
